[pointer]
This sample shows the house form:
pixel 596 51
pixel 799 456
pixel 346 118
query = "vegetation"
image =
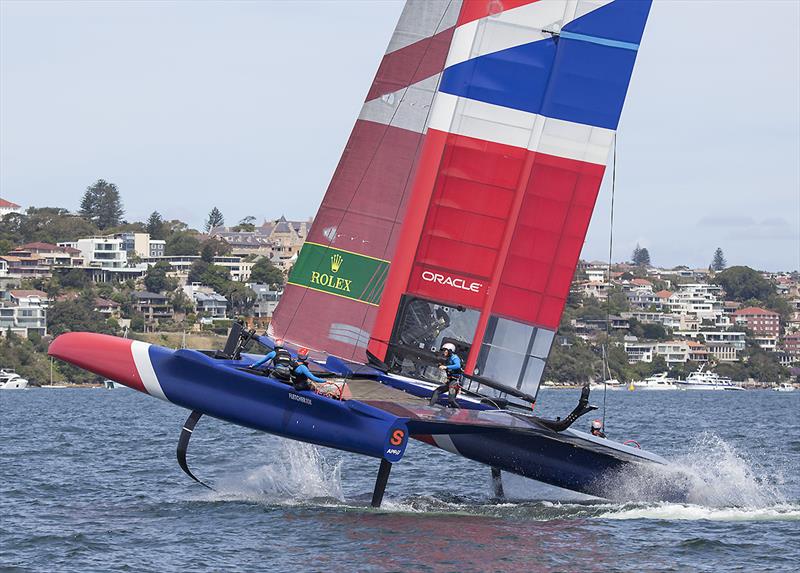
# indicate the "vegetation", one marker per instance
pixel 101 205
pixel 215 219
pixel 181 243
pixel 156 279
pixel 156 226
pixel 718 263
pixel 265 272
pixel 640 256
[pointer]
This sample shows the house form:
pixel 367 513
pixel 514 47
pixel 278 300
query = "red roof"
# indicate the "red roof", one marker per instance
pixel 664 294
pixel 641 282
pixel 39 245
pixel 753 310
pixel 24 293
pixel 8 204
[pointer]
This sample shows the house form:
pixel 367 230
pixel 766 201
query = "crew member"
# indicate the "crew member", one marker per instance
pixel 281 361
pixel 597 429
pixel 301 374
pixel 452 368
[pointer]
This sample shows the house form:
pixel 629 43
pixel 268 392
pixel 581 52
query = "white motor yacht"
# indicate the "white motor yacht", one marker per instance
pixel 706 380
pixel 660 381
pixel 10 380
pixel 784 387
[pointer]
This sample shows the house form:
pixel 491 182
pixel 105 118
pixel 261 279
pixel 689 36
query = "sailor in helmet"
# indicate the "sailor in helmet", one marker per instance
pixel 300 372
pixel 452 368
pixel 597 429
pixel 280 358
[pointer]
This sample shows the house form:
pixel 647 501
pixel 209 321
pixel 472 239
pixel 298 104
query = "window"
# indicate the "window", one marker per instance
pixel 514 353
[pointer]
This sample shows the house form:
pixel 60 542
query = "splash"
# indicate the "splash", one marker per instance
pixel 711 474
pixel 683 512
pixel 299 474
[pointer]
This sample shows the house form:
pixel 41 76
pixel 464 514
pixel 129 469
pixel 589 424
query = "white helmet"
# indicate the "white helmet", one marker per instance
pixel 449 346
pixel 597 425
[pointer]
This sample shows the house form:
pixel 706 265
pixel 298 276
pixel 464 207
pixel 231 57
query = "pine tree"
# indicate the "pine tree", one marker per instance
pixel 719 263
pixel 640 256
pixel 155 226
pixel 101 204
pixel 215 219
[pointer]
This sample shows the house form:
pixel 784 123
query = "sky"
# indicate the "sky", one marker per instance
pixel 247 106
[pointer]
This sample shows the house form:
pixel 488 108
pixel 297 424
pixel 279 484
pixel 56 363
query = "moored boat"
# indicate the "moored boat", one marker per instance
pixel 10 380
pixel 660 381
pixel 706 380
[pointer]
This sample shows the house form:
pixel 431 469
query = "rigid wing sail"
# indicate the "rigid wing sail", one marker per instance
pixel 456 215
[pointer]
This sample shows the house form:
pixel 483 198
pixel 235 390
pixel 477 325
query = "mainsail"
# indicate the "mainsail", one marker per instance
pixel 462 200
pixel 336 284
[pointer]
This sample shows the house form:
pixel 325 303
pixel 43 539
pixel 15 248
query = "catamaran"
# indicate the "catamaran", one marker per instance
pixel 456 214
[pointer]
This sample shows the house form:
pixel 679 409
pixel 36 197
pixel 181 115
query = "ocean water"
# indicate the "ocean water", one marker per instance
pixel 89 482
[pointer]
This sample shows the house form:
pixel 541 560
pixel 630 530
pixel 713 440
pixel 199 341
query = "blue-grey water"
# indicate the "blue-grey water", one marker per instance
pixel 89 482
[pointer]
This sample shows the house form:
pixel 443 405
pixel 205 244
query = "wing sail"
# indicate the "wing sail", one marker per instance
pixel 512 162
pixel 337 282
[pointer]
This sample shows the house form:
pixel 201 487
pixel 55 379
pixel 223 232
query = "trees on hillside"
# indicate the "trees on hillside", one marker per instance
pixel 640 256
pixel 101 204
pixel 215 219
pixel 265 272
pixel 156 279
pixel 182 243
pixel 156 227
pixel 45 224
pixel 744 283
pixel 719 263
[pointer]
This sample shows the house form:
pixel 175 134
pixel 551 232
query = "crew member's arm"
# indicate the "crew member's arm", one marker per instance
pixel 303 369
pixel 264 360
pixel 454 364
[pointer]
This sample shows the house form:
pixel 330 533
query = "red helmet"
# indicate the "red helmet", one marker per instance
pixel 278 343
pixel 597 425
pixel 302 353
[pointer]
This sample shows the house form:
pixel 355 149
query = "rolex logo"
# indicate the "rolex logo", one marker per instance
pixel 336 262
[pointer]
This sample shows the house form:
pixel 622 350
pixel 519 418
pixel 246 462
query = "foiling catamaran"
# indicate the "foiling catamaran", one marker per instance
pixel 456 214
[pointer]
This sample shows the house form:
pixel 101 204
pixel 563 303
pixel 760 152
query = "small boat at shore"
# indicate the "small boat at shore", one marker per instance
pixel 660 381
pixel 612 384
pixel 10 380
pixel 784 387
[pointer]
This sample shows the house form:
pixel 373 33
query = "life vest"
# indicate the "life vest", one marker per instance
pixel 282 364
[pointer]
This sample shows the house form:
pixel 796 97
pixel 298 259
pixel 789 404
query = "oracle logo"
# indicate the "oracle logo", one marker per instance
pixel 458 283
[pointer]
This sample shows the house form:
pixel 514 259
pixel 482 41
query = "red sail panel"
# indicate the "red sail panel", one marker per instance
pixel 514 157
pixel 333 289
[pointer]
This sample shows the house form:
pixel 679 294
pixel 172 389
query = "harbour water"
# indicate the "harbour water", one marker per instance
pixel 89 482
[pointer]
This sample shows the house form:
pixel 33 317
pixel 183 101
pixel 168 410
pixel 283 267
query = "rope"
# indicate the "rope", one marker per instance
pixel 608 298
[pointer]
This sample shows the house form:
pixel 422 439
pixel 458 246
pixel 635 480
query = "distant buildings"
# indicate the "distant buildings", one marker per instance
pixel 24 312
pixel 279 240
pixel 7 207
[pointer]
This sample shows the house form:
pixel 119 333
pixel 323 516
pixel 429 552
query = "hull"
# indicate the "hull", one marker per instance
pixel 197 382
pixel 702 386
pixel 389 411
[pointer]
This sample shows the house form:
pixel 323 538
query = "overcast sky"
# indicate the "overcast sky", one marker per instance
pixel 247 106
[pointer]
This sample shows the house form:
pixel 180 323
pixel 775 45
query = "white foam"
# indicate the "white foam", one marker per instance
pixel 689 512
pixel 711 474
pixel 299 474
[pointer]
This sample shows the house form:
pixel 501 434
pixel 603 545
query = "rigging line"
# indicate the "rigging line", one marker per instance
pixel 608 297
pixel 372 159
